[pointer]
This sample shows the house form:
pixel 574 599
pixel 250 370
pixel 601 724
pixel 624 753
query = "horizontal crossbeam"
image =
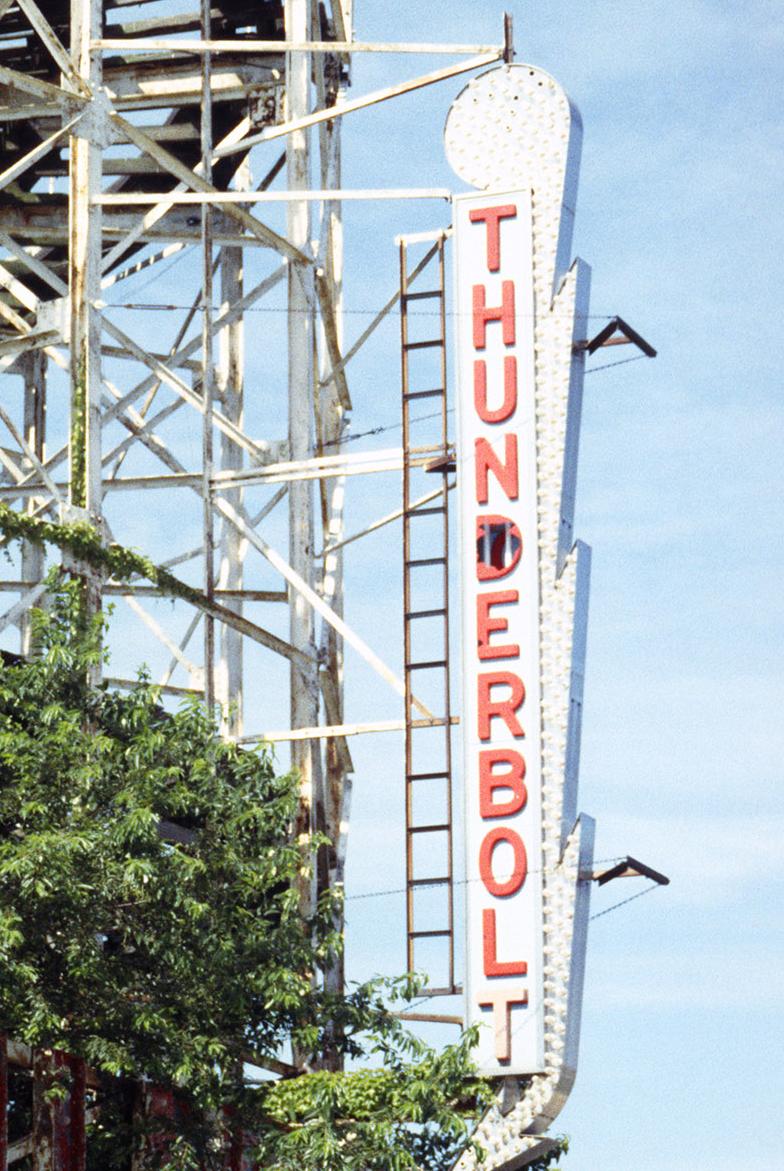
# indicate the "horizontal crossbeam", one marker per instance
pixel 172 45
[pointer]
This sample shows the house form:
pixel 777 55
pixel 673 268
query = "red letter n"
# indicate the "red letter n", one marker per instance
pixel 486 460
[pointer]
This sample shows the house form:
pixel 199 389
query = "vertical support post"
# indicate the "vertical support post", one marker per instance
pixel 231 390
pixel 509 52
pixel 59 1124
pixel 207 372
pixel 43 1138
pixel 304 682
pixel 34 427
pixel 84 274
pixel 154 1112
pixel 84 287
pixel 74 1116
pixel 332 421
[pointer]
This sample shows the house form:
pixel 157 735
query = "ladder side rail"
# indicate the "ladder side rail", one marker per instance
pixel 447 712
pixel 436 607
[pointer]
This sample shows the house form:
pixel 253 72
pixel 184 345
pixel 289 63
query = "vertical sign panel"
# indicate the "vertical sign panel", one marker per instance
pixel 500 597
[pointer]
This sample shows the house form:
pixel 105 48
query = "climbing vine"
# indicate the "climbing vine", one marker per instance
pixel 83 541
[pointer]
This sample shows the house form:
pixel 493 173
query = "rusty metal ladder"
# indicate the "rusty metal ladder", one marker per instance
pixel 429 835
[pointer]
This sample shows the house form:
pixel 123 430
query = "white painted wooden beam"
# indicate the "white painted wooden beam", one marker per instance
pixel 175 45
pixel 371 99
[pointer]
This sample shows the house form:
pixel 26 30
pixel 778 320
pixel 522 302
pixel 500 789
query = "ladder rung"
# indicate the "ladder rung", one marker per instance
pixel 423 295
pixel 456 990
pixel 429 881
pixel 426 511
pixel 438 392
pixel 425 614
pixel 427 776
pixel 429 829
pixel 424 345
pixel 429 934
pixel 426 665
pixel 434 449
pixel 426 561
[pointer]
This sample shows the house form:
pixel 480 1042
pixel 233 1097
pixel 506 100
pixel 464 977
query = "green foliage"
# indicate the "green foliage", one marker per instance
pixel 149 922
pixel 413 1111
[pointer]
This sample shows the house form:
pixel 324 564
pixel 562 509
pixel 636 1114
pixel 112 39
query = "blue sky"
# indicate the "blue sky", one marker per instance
pixel 679 217
pixel 679 497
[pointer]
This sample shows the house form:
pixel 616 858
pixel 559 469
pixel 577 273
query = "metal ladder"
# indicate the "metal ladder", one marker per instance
pixel 428 766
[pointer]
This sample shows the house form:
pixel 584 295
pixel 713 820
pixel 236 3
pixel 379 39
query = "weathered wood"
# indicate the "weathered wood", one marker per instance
pixel 46 222
pixel 47 94
pixel 226 198
pixel 332 731
pixel 53 45
pixel 165 374
pixel 10 174
pixel 338 375
pixel 310 596
pixel 304 121
pixel 195 182
pixel 132 44
pixel 207 367
pixel 84 277
pixel 230 388
pixel 34 264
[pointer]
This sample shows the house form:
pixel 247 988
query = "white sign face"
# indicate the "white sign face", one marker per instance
pixel 500 595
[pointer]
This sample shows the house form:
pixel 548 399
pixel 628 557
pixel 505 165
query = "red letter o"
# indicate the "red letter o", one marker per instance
pixel 512 884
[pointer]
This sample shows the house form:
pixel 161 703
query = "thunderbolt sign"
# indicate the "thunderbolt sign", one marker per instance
pixel 521 302
pixel 501 622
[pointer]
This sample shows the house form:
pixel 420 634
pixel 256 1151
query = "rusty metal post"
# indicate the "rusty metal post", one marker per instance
pixel 427 605
pixel 155 1107
pixel 58 1120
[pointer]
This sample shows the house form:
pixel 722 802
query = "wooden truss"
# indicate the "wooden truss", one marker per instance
pixel 127 145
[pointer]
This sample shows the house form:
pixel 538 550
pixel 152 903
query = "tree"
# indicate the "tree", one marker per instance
pixel 149 923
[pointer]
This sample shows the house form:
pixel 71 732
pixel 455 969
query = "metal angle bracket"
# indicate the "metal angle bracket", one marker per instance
pixel 443 464
pixel 265 103
pixel 607 336
pixel 630 868
pixel 54 316
pixel 95 124
pixel 509 50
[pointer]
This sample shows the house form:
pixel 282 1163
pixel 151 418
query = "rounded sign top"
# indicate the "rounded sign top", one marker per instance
pixel 510 128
